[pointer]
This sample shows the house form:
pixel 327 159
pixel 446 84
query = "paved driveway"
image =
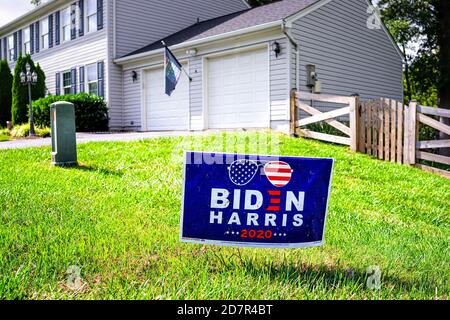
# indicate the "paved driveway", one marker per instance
pixel 90 137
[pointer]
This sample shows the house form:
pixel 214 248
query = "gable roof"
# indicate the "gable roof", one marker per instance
pixel 262 15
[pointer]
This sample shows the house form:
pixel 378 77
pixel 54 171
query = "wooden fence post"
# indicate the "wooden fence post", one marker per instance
pixel 411 129
pixel 293 125
pixel 354 122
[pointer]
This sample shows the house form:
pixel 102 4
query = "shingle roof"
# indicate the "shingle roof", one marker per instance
pixel 244 19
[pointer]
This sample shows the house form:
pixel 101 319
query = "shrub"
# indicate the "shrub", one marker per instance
pixel 6 80
pixel 91 112
pixel 20 100
pixel 23 131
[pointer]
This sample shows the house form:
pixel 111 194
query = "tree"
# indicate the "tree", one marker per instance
pixel 35 2
pixel 20 100
pixel 6 80
pixel 404 34
pixel 443 40
pixel 429 20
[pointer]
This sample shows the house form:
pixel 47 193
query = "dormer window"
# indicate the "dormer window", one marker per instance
pixel 44 34
pixel 66 24
pixel 91 15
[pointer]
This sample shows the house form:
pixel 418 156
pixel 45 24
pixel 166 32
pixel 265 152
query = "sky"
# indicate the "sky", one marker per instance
pixel 11 9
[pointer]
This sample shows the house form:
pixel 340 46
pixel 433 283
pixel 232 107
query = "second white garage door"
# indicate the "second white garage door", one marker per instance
pixel 238 90
pixel 164 113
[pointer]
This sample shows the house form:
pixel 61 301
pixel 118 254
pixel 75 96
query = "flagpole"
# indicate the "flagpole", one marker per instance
pixel 189 77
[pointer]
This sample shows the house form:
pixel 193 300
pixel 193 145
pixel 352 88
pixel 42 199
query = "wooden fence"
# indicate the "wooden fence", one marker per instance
pixel 383 128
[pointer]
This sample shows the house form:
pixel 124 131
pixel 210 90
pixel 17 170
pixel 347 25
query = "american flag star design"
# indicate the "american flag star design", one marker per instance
pixel 279 173
pixel 243 171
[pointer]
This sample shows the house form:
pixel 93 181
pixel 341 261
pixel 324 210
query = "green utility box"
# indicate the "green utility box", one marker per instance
pixel 64 140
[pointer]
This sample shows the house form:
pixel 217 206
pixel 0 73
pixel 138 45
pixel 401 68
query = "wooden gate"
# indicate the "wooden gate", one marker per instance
pixel 382 129
pixel 316 116
pixel 423 114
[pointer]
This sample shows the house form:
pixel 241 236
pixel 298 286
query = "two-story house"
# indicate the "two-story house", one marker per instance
pixel 243 61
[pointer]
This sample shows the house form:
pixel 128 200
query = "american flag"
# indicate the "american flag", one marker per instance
pixel 279 173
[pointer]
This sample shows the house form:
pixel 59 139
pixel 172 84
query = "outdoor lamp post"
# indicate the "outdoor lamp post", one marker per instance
pixel 30 78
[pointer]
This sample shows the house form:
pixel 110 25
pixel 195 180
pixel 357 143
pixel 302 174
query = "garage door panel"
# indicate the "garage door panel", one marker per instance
pixel 164 113
pixel 238 90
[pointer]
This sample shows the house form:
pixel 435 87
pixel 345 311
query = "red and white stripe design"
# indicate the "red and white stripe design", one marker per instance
pixel 279 173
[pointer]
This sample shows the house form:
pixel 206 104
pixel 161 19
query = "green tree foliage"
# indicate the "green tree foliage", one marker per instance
pixel 6 80
pixel 426 23
pixel 36 2
pixel 20 100
pixel 429 21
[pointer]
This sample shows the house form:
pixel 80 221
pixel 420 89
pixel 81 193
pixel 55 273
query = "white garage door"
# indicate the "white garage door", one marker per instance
pixel 238 90
pixel 164 113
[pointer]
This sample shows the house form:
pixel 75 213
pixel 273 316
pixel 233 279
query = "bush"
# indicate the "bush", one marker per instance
pixel 20 99
pixel 91 112
pixel 23 131
pixel 6 80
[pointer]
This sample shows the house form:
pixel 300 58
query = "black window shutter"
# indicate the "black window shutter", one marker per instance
pixel 73 18
pixel 81 79
pixel 15 46
pixel 57 27
pixel 19 41
pixel 99 14
pixel 58 84
pixel 32 39
pixel 101 78
pixel 73 81
pixel 81 8
pixel 37 37
pixel 50 31
pixel 1 49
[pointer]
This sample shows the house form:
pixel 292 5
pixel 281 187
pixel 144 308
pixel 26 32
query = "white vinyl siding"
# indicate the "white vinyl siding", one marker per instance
pixel 140 22
pixel 196 93
pixel 349 57
pixel 279 82
pixel 81 53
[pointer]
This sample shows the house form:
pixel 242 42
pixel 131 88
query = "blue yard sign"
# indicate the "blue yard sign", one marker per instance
pixel 255 201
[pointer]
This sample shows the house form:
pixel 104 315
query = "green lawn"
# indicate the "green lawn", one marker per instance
pixel 117 218
pixel 3 137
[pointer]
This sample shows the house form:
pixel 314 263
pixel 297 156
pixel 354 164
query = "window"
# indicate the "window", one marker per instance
pixel 67 82
pixel 92 79
pixel 44 34
pixel 91 15
pixel 66 24
pixel 26 41
pixel 11 48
